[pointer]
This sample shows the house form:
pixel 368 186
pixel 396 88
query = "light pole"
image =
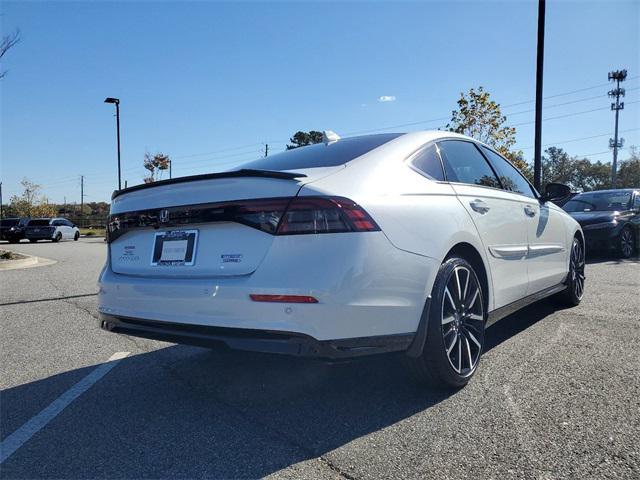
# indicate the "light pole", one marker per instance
pixel 116 101
pixel 537 156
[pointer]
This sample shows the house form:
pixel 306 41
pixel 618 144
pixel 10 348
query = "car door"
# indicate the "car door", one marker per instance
pixel 547 260
pixel 497 214
pixel 68 229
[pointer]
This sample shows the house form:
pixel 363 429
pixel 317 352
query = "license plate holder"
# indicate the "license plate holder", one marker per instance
pixel 175 248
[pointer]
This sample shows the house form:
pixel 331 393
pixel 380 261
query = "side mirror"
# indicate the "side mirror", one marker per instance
pixel 554 192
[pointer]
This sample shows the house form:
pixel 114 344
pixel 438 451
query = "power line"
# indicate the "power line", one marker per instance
pixel 569 114
pixel 581 138
pixel 218 151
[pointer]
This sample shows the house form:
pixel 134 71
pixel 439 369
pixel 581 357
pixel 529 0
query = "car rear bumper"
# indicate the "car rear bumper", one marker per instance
pixel 364 287
pixel 263 341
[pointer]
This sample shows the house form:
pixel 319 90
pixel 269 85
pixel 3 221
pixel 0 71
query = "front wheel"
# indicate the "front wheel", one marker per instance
pixel 76 236
pixel 626 243
pixel 455 329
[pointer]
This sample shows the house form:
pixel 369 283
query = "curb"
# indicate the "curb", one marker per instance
pixel 28 262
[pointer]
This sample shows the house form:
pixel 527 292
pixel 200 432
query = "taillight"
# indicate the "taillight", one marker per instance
pixel 324 215
pixel 276 216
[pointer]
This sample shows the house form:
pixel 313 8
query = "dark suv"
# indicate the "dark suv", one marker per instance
pixel 12 229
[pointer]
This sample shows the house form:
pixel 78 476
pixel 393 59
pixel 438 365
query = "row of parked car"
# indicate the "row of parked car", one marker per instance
pixel 33 229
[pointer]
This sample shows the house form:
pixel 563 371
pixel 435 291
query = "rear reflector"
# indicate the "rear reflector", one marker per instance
pixel 283 298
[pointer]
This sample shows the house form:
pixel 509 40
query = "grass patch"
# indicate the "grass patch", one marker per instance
pixel 8 255
pixel 93 232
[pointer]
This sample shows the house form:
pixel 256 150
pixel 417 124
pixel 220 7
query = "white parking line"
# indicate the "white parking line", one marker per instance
pixel 18 438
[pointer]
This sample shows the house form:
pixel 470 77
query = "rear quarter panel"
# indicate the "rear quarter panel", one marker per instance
pixel 416 214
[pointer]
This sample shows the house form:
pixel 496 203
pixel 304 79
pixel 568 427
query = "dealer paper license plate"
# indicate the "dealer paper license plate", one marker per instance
pixel 175 248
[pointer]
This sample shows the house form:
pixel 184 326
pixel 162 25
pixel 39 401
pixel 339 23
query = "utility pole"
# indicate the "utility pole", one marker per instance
pixel 266 149
pixel 537 158
pixel 64 206
pixel 617 77
pixel 81 197
pixel 1 211
pixel 170 163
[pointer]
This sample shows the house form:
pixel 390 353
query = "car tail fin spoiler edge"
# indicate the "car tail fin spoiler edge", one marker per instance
pixel 207 176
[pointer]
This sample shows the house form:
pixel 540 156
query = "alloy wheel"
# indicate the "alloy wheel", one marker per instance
pixel 577 268
pixel 626 242
pixel 463 320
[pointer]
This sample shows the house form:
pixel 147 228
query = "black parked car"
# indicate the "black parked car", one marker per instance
pixel 610 219
pixel 12 229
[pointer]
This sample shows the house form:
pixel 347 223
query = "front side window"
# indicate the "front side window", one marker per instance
pixel 510 177
pixel 463 163
pixel 428 162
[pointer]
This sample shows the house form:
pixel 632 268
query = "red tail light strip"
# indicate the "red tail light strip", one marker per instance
pixel 276 216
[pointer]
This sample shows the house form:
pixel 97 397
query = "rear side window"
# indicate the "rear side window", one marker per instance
pixel 464 163
pixel 510 177
pixel 9 222
pixel 321 154
pixel 428 162
pixel 39 222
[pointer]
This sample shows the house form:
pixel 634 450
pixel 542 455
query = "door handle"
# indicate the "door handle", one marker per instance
pixel 479 206
pixel 530 211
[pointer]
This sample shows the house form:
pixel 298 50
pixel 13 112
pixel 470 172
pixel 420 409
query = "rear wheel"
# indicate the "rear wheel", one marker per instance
pixel 626 243
pixel 455 330
pixel 57 238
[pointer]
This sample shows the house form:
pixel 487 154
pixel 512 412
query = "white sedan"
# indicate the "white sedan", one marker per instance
pixel 410 243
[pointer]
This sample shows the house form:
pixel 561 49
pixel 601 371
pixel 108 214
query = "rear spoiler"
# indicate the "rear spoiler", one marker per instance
pixel 245 172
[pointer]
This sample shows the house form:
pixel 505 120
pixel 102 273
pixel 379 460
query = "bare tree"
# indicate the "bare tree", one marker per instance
pixel 7 42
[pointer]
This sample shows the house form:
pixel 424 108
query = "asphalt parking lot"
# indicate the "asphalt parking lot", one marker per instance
pixel 557 395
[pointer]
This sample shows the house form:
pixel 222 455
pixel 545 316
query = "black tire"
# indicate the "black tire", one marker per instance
pixel 33 240
pixel 455 328
pixel 57 238
pixel 14 240
pixel 626 243
pixel 574 292
pixel 76 236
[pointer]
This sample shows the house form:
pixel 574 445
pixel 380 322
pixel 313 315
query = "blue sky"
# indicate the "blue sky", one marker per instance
pixel 208 82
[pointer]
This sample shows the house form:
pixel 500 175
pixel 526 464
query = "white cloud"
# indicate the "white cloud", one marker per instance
pixel 387 98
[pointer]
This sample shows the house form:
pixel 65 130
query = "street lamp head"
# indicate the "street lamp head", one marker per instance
pixel 112 100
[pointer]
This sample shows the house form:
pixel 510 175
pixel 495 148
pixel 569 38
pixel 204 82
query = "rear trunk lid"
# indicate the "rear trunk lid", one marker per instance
pixel 217 225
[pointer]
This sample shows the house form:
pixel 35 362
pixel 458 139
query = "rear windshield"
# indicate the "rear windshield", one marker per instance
pixel 321 154
pixel 598 202
pixel 9 222
pixel 39 222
